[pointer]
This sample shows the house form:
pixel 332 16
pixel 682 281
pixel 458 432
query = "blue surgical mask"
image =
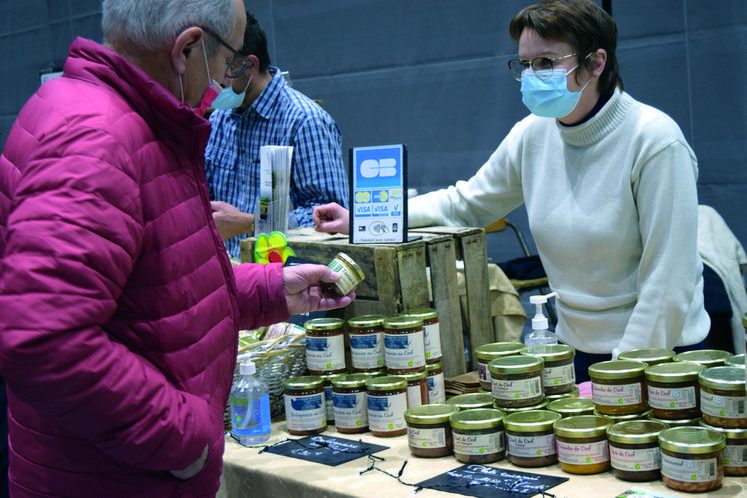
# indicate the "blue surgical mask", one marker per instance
pixel 549 98
pixel 228 99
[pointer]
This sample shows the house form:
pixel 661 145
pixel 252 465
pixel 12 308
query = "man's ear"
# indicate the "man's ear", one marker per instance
pixel 184 46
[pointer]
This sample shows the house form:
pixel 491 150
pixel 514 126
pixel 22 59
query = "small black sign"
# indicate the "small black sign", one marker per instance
pixel 328 450
pixel 491 482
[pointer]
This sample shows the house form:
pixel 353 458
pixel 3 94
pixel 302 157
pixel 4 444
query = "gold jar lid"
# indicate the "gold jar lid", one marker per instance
pixel 635 431
pixel 498 350
pixel 386 383
pixel 617 369
pixel 735 361
pixel 347 381
pixel 470 401
pixel 413 376
pixel 552 352
pixel 725 378
pixel 329 377
pixel 676 371
pixel 582 426
pixel 429 414
pixel 422 313
pixel 364 321
pixel 539 406
pixel 351 264
pixel 708 357
pixel 568 407
pixel 530 421
pixel 434 366
pixel 516 364
pixel 573 393
pixel 624 418
pixel 652 356
pixel 323 324
pixel 675 423
pixel 731 433
pixel 479 418
pixel 691 440
pixel 402 322
pixel 303 383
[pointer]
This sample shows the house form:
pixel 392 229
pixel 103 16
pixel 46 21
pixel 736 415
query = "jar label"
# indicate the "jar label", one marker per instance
pixel 616 395
pixel 387 413
pixel 478 444
pixel 558 376
pixel 517 389
pixel 414 395
pixel 635 460
pixel 436 389
pixel 329 402
pixel 351 410
pixel 680 398
pixel 367 351
pixel 325 353
pixel 483 374
pixel 348 279
pixel 583 453
pixel 305 412
pixel 426 438
pixel 681 470
pixel 404 350
pixel 735 455
pixel 722 406
pixel 531 446
pixel 432 341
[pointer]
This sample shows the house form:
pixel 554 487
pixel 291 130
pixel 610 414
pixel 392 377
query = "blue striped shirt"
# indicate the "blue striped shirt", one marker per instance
pixel 279 116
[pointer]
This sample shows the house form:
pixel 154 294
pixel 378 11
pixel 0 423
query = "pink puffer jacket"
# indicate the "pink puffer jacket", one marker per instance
pixel 118 305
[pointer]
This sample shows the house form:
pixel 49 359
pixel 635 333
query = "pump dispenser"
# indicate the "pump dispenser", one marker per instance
pixel 540 334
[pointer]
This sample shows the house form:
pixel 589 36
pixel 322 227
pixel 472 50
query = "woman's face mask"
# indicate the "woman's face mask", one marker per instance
pixel 549 97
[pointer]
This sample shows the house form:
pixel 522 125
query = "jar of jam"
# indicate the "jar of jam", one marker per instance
pixel 325 346
pixel 417 388
pixel 673 389
pixel 573 393
pixel 649 356
pixel 582 444
pixel 404 350
pixel 350 403
pixel 634 450
pixel 618 387
pixel 429 430
pixel 367 343
pixel 431 332
pixel 571 407
pixel 471 401
pixel 436 383
pixel 722 396
pixel 735 452
pixel 706 357
pixel 387 402
pixel 329 399
pixel 692 458
pixel 305 406
pixel 530 439
pixel 350 275
pixel 488 352
pixel 516 380
pixel 478 435
pixel 735 361
pixel 558 374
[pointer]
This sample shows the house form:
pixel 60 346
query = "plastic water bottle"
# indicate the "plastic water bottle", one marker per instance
pixel 250 407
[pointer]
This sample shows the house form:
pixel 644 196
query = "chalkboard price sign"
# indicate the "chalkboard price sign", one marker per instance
pixel 327 450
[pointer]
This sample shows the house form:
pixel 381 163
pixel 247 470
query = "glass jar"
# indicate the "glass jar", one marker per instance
pixel 417 388
pixel 618 387
pixel 350 275
pixel 305 406
pixel 488 352
pixel 573 393
pixel 367 343
pixel 516 380
pixel 478 435
pixel 692 458
pixel 403 344
pixel 735 361
pixel 436 383
pixel 429 430
pixel 542 405
pixel 328 397
pixel 634 450
pixel 325 346
pixel 471 401
pixel 582 444
pixel 624 418
pixel 722 396
pixel 685 422
pixel 530 440
pixel 706 357
pixel 673 389
pixel 387 402
pixel 350 403
pixel 649 356
pixel 431 332
pixel 735 452
pixel 571 407
pixel 558 374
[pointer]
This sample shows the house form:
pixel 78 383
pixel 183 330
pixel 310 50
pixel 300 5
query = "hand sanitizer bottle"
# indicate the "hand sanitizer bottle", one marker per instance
pixel 250 407
pixel 540 334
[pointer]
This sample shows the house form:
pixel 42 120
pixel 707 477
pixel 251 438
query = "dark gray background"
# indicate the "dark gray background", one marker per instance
pixel 432 74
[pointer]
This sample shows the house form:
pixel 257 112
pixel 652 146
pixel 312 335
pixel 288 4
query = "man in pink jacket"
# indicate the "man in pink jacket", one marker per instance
pixel 119 308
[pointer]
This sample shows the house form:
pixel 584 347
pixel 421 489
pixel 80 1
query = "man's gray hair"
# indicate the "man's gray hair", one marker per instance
pixel 138 26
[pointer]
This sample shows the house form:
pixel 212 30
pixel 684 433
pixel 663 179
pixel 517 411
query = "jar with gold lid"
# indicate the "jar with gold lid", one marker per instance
pixel 417 388
pixel 735 361
pixel 634 450
pixel 429 431
pixel 673 389
pixel 692 458
pixel 488 352
pixel 387 402
pixel 575 392
pixel 325 346
pixel 350 403
pixel 706 357
pixel 530 440
pixel 685 422
pixel 649 356
pixel 516 380
pixel 436 383
pixel 471 401
pixel 558 373
pixel 624 418
pixel 735 452
pixel 366 335
pixel 350 275
pixel 478 435
pixel 722 396
pixel 431 332
pixel 403 344
pixel 542 405
pixel 618 387
pixel 328 397
pixel 582 444
pixel 305 405
pixel 569 407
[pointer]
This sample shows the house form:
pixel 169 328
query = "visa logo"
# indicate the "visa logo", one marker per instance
pixel 371 168
pixel 364 209
pixel 381 209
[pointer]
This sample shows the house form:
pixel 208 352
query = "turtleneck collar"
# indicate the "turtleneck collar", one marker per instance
pixel 600 124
